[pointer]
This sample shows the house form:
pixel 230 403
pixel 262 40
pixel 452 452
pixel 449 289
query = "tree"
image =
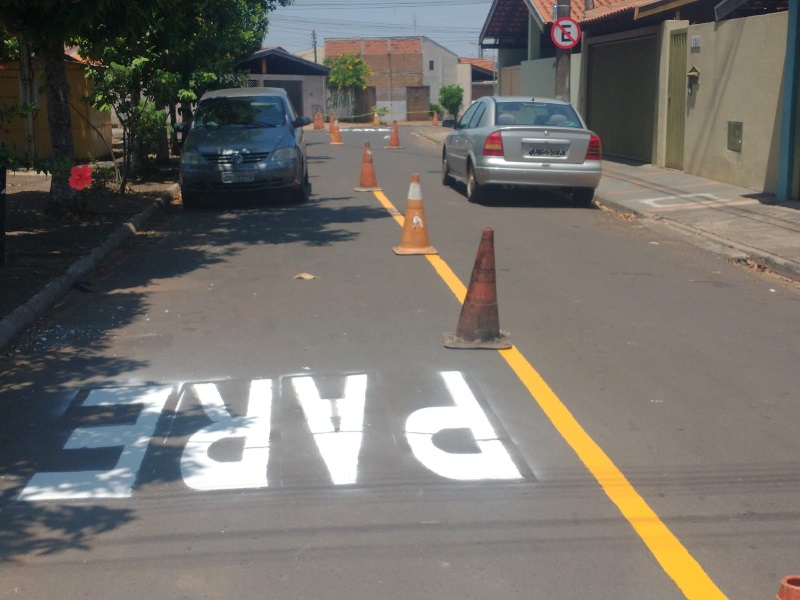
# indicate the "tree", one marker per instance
pixel 170 35
pixel 348 72
pixel 451 97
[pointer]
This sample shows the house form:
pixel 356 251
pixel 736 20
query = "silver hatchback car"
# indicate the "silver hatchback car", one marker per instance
pixel 244 142
pixel 522 142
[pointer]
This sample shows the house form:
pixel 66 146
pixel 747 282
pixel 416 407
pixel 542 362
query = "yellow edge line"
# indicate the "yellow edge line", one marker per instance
pixel 673 556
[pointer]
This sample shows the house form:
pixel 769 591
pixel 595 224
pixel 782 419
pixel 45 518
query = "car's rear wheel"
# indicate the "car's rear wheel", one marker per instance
pixel 447 179
pixel 475 192
pixel 583 196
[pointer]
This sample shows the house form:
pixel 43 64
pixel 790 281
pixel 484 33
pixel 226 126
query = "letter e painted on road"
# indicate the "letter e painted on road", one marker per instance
pixel 492 462
pixel 201 471
pixel 134 439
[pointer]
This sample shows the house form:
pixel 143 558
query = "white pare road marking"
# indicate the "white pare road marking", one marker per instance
pixel 200 471
pixel 134 438
pixel 492 462
pixel 337 424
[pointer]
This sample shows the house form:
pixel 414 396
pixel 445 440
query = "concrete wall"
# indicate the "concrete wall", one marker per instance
pixel 538 77
pixel 741 74
pixel 91 129
pixel 445 71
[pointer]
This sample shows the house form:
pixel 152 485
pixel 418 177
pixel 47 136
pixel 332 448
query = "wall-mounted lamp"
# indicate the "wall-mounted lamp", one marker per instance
pixel 692 78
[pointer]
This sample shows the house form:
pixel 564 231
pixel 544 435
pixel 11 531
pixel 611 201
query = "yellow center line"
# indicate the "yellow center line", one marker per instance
pixel 670 553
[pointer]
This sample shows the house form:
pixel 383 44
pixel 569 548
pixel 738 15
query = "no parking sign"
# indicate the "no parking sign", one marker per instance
pixel 565 33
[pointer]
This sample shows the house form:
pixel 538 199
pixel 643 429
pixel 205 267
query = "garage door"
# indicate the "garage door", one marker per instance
pixel 621 96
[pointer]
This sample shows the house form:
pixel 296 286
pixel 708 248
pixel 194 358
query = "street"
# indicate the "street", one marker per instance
pixel 256 402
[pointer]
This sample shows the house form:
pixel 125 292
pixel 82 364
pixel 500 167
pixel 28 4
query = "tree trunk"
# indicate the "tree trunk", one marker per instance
pixel 60 122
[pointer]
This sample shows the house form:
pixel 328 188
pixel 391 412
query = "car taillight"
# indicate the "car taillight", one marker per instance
pixel 595 150
pixel 493 146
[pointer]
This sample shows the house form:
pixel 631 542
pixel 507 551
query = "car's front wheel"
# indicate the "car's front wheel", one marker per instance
pixel 447 179
pixel 475 192
pixel 190 200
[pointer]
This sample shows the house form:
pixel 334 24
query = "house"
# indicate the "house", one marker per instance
pixel 407 74
pixel 477 77
pixel 91 129
pixel 695 85
pixel 303 80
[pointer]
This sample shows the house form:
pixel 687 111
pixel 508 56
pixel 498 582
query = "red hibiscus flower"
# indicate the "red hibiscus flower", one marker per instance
pixel 80 177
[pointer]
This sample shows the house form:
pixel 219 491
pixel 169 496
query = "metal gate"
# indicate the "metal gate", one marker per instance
pixel 622 95
pixel 676 101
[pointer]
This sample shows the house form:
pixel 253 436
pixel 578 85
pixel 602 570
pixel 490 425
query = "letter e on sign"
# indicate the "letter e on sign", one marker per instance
pixel 565 33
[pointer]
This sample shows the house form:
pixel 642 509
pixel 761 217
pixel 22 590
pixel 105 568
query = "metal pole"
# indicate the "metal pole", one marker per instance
pixel 791 82
pixel 562 56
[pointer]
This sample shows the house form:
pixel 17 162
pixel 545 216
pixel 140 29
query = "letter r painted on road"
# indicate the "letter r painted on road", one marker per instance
pixel 201 471
pixel 491 462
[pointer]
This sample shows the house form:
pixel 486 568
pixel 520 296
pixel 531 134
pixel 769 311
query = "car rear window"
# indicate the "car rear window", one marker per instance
pixel 537 113
pixel 260 111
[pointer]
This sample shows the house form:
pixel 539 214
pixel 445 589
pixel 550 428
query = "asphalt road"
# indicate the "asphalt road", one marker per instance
pixel 206 424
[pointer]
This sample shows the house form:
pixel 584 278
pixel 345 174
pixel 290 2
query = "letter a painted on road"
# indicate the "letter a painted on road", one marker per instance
pixel 337 424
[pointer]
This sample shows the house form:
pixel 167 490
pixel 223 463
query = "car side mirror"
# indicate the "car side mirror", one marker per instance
pixel 301 122
pixel 182 127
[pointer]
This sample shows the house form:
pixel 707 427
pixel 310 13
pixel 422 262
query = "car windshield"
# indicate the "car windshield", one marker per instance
pixel 537 113
pixel 261 111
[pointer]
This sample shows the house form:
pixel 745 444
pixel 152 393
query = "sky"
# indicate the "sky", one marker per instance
pixel 454 24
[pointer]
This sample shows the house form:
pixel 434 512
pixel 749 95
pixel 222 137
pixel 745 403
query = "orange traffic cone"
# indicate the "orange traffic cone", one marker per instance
pixel 790 588
pixel 368 181
pixel 318 122
pixel 435 119
pixel 479 323
pixel 394 140
pixel 414 239
pixel 336 135
pixel 376 120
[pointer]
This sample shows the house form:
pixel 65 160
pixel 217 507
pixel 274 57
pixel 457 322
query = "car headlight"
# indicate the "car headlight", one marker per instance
pixel 285 154
pixel 192 158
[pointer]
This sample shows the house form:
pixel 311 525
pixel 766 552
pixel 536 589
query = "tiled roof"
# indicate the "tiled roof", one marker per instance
pixel 605 8
pixel 509 18
pixel 483 63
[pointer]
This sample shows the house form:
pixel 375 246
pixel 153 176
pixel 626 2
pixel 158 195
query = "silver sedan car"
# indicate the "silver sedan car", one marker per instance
pixel 522 142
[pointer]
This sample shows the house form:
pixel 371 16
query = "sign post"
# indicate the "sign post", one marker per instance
pixel 565 34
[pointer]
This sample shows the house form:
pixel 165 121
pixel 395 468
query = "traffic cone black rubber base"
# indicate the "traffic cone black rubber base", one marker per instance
pixel 479 324
pixel 499 343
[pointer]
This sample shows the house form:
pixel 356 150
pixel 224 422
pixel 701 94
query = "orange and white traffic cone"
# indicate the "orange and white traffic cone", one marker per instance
pixel 479 323
pixel 414 239
pixel 368 181
pixel 790 588
pixel 376 120
pixel 435 119
pixel 336 135
pixel 394 140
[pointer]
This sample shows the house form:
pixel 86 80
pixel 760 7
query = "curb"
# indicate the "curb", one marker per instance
pixel 21 318
pixel 733 251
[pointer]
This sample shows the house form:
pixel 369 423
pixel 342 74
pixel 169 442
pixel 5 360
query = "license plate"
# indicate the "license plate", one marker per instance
pixel 237 177
pixel 546 152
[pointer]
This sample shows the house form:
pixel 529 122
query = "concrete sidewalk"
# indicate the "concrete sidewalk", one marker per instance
pixel 737 222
